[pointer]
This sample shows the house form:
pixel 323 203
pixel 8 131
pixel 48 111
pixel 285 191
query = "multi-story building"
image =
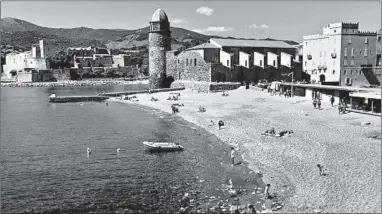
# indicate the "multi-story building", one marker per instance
pixel 342 56
pixel 16 64
pixel 233 60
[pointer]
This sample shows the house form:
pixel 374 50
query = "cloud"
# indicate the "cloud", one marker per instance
pixel 178 21
pixel 215 29
pixel 252 26
pixel 205 10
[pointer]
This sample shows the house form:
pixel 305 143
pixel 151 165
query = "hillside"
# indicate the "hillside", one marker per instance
pixel 18 35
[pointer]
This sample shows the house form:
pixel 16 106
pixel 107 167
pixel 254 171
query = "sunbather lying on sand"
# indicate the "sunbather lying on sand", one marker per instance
pixel 269 132
pixel 282 133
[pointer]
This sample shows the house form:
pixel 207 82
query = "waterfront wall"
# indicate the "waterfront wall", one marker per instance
pixel 205 86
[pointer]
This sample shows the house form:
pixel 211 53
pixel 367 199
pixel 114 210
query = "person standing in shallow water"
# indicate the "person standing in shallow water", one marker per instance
pixel 320 169
pixel 233 156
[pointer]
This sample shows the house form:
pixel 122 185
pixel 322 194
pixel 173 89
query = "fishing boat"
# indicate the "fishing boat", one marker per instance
pixel 162 146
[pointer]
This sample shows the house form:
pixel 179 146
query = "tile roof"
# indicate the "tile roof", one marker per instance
pixel 252 43
pixel 203 46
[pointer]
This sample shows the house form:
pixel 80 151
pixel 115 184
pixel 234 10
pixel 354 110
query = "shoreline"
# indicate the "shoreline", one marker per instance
pixel 73 83
pixel 243 177
pixel 289 162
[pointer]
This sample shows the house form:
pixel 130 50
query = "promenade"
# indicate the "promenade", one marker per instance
pixel 349 152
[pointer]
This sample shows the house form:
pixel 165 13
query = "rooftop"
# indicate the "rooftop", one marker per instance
pixel 159 16
pixel 252 43
pixel 203 46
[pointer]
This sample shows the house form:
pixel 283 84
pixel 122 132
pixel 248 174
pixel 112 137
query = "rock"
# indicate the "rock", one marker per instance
pixel 224 209
pixel 365 123
pixel 232 209
pixel 182 209
pixel 242 207
pixel 279 207
pixel 317 211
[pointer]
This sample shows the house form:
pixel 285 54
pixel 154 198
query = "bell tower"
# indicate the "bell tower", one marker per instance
pixel 159 44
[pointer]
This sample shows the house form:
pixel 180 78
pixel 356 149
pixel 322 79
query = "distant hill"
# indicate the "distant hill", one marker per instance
pixel 19 35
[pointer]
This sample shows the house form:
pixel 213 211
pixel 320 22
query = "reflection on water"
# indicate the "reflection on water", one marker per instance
pixel 44 164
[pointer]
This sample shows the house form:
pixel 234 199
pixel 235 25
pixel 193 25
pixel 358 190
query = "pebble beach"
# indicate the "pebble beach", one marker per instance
pixel 72 83
pixel 348 150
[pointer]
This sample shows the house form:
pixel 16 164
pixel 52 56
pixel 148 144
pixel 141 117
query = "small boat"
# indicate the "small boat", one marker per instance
pixel 162 146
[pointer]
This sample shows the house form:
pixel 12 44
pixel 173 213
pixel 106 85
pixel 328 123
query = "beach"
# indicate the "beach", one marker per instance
pixel 349 152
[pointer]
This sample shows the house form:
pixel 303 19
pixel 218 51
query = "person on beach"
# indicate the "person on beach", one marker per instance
pixel 321 169
pixel 319 103
pixel 266 191
pixel 220 124
pixel 233 156
pixel 332 100
pixel 314 103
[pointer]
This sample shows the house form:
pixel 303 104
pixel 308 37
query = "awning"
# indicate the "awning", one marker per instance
pixel 366 95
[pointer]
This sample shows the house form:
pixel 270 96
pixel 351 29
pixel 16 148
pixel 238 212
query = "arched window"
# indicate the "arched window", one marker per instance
pixel 194 62
pixel 187 62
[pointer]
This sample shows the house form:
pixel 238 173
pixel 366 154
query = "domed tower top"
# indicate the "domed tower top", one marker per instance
pixel 159 16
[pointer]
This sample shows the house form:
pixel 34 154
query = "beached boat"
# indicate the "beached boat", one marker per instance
pixel 162 146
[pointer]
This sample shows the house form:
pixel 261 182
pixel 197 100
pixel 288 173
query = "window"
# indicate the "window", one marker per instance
pixel 352 62
pixel 246 63
pixel 351 71
pixel 334 71
pixel 187 62
pixel 194 62
pixel 352 51
pixel 228 63
pixel 334 32
pixel 344 71
pixel 360 72
pixel 345 62
pixel 305 63
pixel 346 52
pixel 365 52
pixel 274 62
pixel 261 62
pixel 349 41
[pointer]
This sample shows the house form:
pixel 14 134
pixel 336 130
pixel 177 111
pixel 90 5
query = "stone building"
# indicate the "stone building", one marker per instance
pixel 159 44
pixel 233 60
pixel 24 62
pixel 342 56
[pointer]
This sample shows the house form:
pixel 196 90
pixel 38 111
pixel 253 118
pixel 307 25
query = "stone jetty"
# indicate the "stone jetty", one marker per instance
pixel 68 99
pixel 71 83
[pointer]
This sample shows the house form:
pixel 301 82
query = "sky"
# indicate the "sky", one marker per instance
pixel 287 20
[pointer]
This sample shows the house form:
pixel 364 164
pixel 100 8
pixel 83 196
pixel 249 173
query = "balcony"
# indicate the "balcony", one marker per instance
pixel 334 55
pixel 320 68
pixel 309 57
pixel 324 67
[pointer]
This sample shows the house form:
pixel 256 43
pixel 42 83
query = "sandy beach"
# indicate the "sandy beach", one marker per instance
pixel 349 152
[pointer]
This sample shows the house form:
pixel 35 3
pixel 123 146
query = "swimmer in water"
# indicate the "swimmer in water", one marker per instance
pixel 118 150
pixel 88 151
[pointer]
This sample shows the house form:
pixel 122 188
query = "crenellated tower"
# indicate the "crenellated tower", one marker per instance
pixel 159 44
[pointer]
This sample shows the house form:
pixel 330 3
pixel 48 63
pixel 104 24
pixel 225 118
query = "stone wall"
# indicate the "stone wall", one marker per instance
pixel 192 67
pixel 171 65
pixel 61 74
pixel 192 85
pixel 157 58
pixel 224 86
pixel 361 76
pixel 24 76
pixel 205 86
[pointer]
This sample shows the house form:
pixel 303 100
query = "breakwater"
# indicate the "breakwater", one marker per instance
pixel 71 99
pixel 117 94
pixel 71 83
pixel 104 96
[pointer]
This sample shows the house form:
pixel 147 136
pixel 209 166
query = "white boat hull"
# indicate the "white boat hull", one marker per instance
pixel 162 146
